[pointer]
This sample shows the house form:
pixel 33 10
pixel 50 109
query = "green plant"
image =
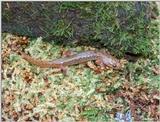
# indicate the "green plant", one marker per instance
pixel 62 29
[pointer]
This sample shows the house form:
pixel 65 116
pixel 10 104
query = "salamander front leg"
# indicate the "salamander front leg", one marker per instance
pixel 96 68
pixel 100 63
pixel 100 66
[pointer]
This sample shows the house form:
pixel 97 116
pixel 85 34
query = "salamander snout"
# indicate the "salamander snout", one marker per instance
pixel 116 64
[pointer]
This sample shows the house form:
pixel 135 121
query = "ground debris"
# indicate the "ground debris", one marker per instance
pixel 139 98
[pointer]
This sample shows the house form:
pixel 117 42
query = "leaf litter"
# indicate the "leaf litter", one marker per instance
pixel 30 93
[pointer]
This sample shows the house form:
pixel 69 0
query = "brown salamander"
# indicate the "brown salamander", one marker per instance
pixel 103 58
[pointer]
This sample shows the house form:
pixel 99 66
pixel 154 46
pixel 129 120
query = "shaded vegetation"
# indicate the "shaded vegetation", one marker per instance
pixel 119 26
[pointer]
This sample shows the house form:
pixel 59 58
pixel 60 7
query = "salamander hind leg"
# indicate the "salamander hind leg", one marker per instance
pixel 67 53
pixel 63 70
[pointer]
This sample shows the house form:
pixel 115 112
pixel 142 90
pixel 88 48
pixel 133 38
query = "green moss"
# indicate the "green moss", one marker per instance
pixel 62 29
pixel 132 36
pixel 119 26
pixel 95 114
pixel 7 15
pixel 68 6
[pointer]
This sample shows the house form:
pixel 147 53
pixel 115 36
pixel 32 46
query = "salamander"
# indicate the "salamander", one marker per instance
pixel 104 58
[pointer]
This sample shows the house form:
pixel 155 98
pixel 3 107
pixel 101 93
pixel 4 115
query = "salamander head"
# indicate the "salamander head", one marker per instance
pixel 116 63
pixel 110 61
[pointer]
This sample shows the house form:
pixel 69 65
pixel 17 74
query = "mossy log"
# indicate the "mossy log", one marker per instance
pixel 120 26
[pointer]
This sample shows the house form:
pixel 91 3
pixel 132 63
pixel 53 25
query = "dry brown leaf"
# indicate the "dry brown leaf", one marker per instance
pixel 156 70
pixel 28 76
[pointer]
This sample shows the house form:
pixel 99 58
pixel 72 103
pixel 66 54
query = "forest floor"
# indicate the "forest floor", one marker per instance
pixel 30 93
